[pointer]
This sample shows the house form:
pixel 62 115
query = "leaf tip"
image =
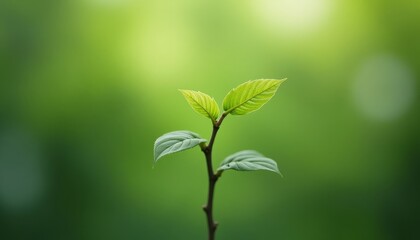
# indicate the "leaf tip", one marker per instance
pixel 279 173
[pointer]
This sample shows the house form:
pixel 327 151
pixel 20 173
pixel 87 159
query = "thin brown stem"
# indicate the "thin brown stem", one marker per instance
pixel 208 208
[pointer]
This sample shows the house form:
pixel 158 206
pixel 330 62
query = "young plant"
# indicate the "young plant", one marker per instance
pixel 246 98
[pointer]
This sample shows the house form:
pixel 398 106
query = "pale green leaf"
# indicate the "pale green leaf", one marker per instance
pixel 248 160
pixel 202 103
pixel 250 96
pixel 175 142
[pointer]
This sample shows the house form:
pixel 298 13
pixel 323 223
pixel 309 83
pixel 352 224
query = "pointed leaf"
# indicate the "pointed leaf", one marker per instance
pixel 250 96
pixel 248 160
pixel 175 142
pixel 202 103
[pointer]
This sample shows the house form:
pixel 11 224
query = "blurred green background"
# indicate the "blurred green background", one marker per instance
pixel 86 86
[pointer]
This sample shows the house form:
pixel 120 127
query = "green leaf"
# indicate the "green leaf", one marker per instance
pixel 202 103
pixel 175 142
pixel 248 160
pixel 250 96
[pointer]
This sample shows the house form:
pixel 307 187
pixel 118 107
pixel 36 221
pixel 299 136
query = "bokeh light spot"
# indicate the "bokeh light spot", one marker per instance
pixel 383 88
pixel 22 174
pixel 292 16
pixel 160 51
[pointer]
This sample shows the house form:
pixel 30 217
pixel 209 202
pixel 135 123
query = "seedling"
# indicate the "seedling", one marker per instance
pixel 246 98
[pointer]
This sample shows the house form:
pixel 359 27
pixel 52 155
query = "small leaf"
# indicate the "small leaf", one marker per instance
pixel 202 103
pixel 248 160
pixel 175 142
pixel 250 96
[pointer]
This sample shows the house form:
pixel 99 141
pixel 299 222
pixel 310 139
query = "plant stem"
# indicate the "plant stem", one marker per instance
pixel 208 208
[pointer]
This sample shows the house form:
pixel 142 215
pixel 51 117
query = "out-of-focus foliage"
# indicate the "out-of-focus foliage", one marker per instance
pixel 86 86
